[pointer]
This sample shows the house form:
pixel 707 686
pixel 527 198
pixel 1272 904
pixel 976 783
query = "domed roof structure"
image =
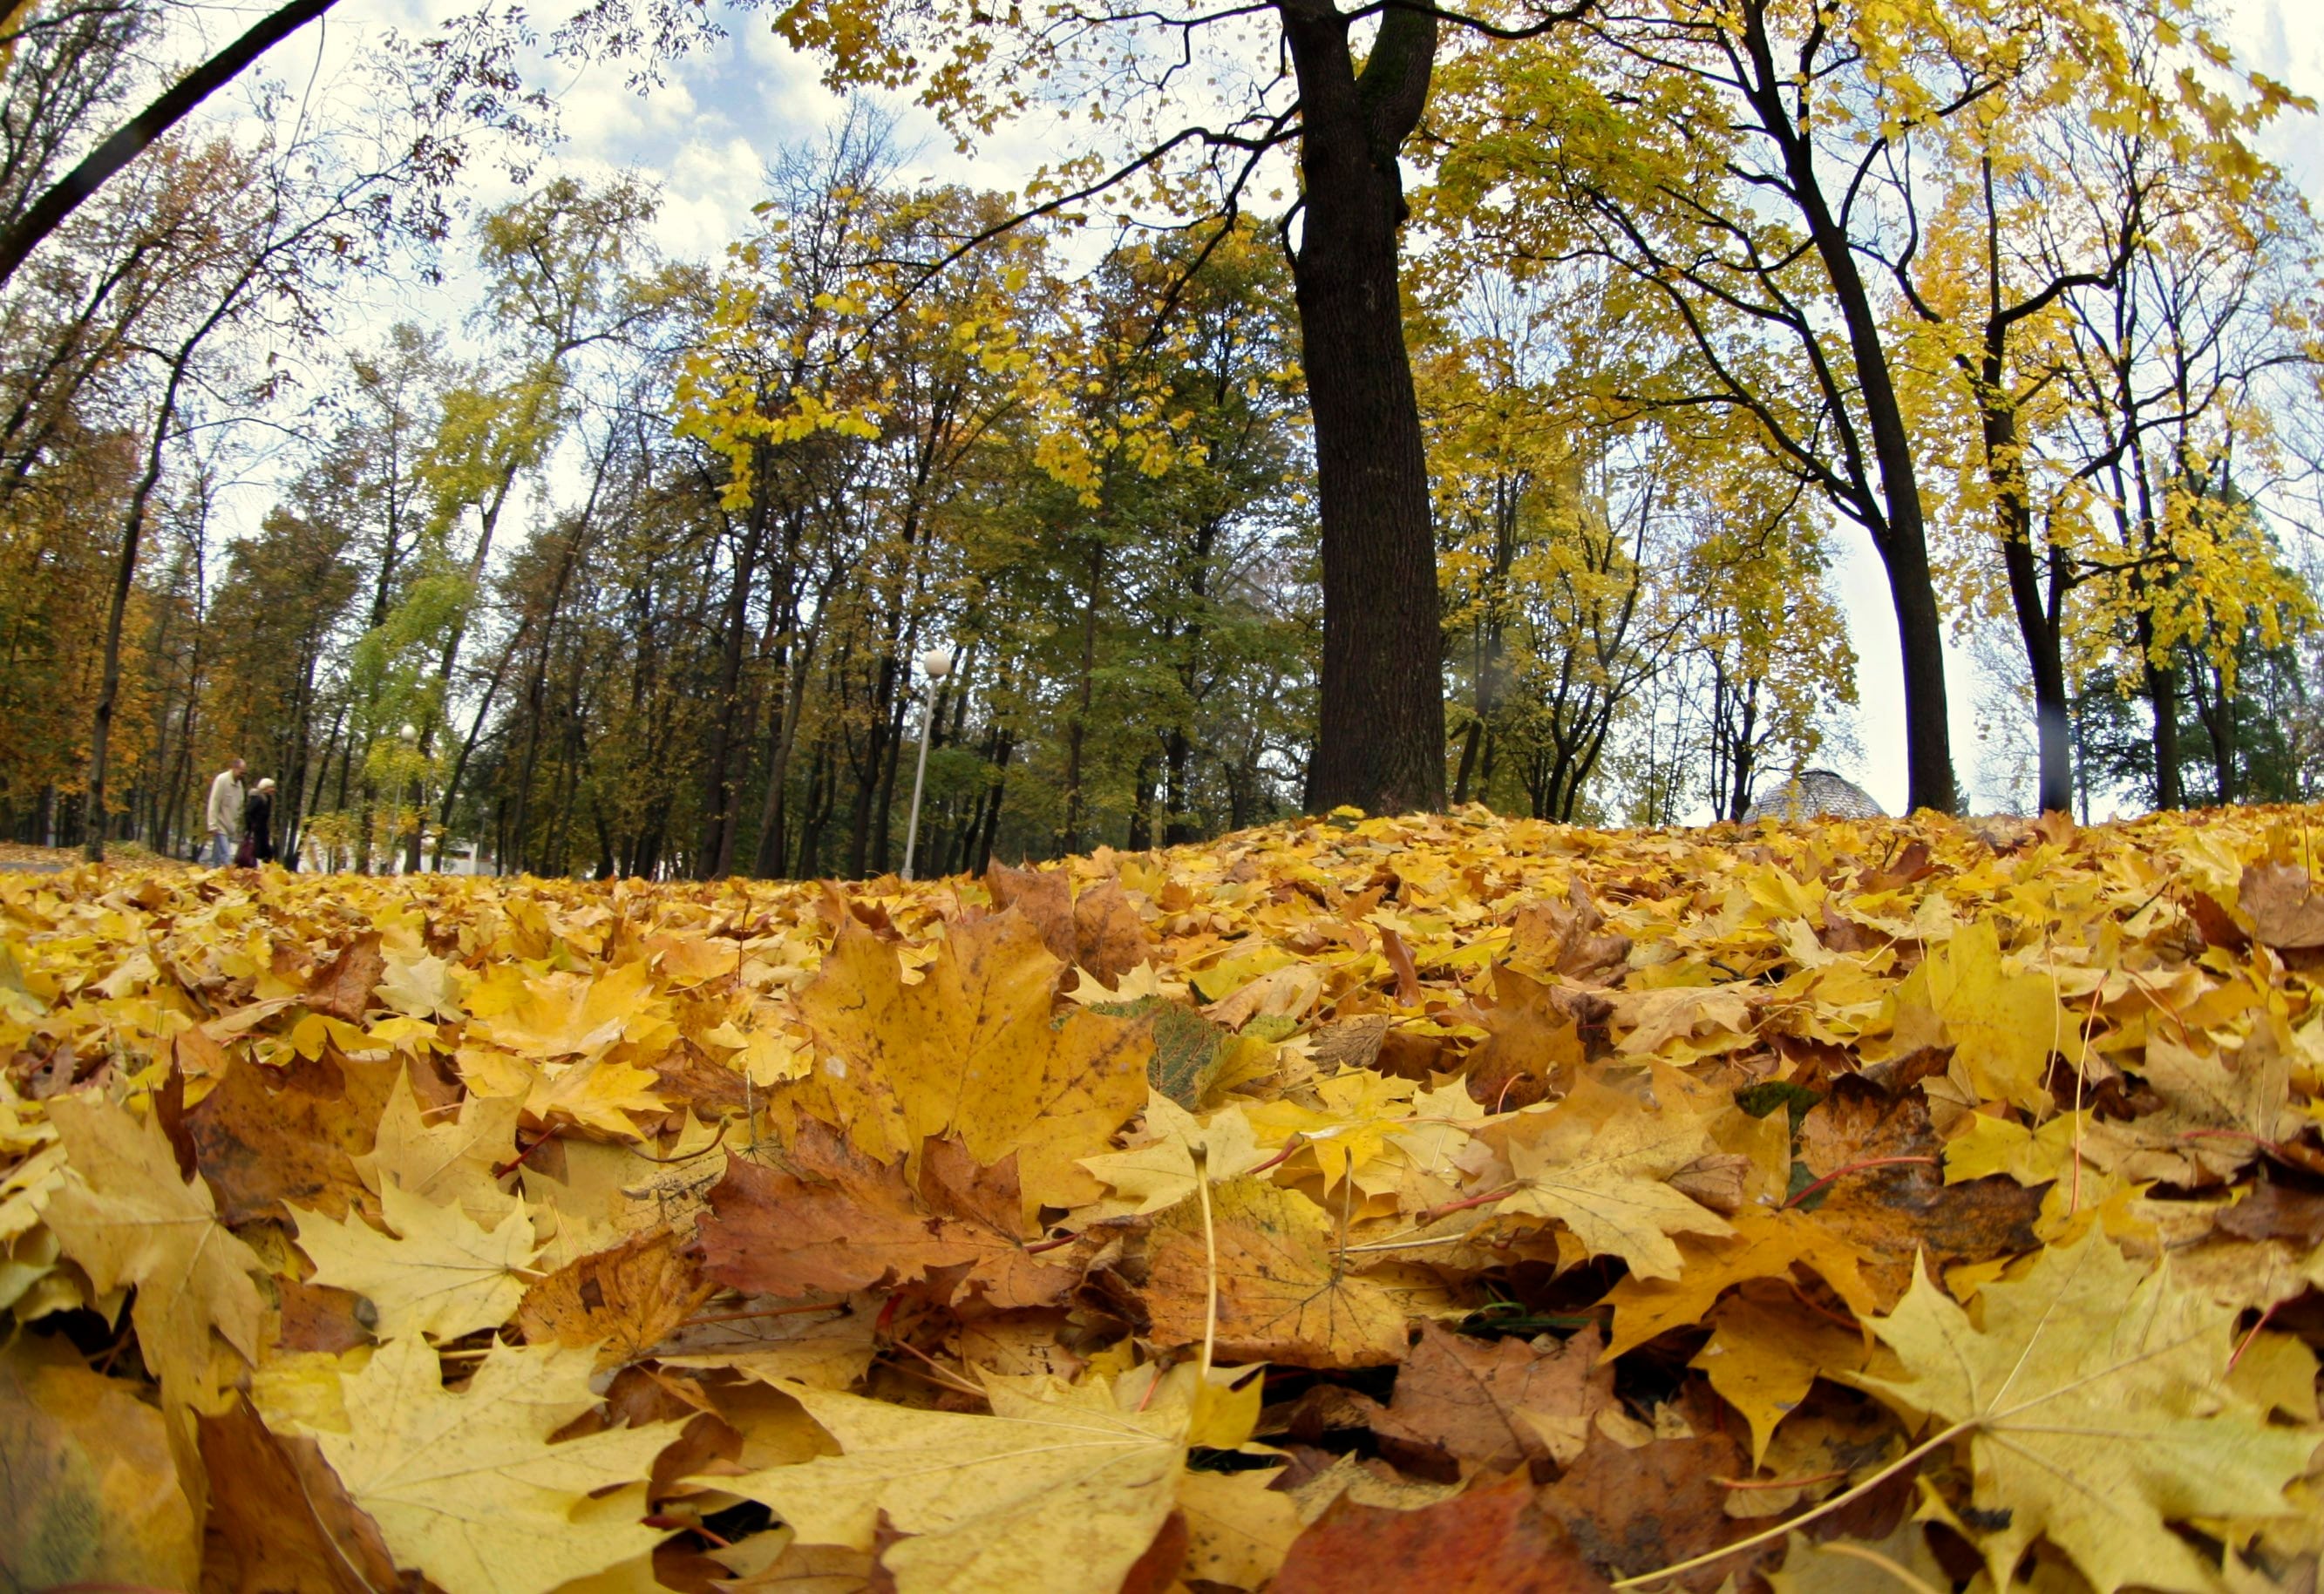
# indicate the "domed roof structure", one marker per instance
pixel 1811 794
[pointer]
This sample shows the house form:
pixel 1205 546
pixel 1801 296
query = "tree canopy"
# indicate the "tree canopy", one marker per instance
pixel 1395 406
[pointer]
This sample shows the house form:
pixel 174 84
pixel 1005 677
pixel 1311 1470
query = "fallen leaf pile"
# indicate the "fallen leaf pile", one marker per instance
pixel 1439 1203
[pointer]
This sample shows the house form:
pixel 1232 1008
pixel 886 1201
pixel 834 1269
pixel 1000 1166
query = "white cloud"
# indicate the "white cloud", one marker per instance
pixel 706 196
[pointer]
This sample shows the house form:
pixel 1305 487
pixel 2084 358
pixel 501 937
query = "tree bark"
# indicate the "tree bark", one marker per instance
pixel 1381 725
pixel 467 749
pixel 2163 698
pixel 2216 709
pixel 1902 536
pixel 1177 762
pixel 723 785
pixel 1470 736
pixel 2038 628
pixel 1141 805
pixel 1069 831
pixel 125 579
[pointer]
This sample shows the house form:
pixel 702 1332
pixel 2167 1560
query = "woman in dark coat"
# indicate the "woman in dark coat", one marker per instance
pixel 258 821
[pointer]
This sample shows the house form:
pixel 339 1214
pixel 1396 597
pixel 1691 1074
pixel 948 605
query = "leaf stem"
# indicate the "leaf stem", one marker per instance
pixel 943 1374
pixel 1778 1482
pixel 1407 1245
pixel 1200 1152
pixel 1280 1158
pixel 763 1312
pixel 1434 1214
pixel 2246 1342
pixel 503 1170
pixel 1909 1459
pixel 1913 1581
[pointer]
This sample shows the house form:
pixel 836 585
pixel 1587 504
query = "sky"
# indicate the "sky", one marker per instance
pixel 707 134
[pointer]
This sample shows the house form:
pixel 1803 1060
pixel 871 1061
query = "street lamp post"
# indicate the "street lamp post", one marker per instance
pixel 936 664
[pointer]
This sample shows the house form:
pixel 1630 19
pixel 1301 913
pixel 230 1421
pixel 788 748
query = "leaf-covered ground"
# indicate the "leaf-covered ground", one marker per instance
pixel 1435 1203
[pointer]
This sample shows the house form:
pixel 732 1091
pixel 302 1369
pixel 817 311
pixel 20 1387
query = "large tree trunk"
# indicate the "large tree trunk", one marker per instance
pixel 450 799
pixel 2044 656
pixel 821 783
pixel 1507 498
pixel 1901 534
pixel 2162 697
pixel 773 812
pixel 2037 618
pixel 1744 756
pixel 125 579
pixel 1069 832
pixel 2215 708
pixel 1380 729
pixel 1177 762
pixel 1920 628
pixel 722 788
pixel 1141 802
pixel 979 859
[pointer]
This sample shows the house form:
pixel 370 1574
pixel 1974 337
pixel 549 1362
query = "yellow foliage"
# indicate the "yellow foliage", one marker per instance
pixel 1800 1075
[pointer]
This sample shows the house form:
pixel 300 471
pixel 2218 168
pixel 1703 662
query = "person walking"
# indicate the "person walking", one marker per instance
pixel 258 824
pixel 224 814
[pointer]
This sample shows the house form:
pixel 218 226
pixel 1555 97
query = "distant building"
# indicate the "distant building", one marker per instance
pixel 1811 794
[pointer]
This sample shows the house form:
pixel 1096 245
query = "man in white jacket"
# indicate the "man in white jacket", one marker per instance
pixel 225 814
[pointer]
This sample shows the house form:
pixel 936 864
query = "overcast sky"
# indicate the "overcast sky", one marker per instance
pixel 707 134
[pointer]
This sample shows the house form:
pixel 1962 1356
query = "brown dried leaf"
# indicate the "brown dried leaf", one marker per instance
pixel 1283 1295
pixel 266 1135
pixel 1486 1402
pixel 1045 896
pixel 2286 909
pixel 1489 1541
pixel 622 1301
pixel 1891 1213
pixel 278 1522
pixel 1533 1041
pixel 841 1222
pixel 1633 1510
pixel 1109 938
pixel 342 987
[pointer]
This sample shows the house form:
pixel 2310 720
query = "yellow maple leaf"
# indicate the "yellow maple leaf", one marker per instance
pixel 441 1272
pixel 2090 1394
pixel 1351 1133
pixel 2003 1024
pixel 1902 1561
pixel 1765 1244
pixel 89 1494
pixel 1762 1355
pixel 1597 1164
pixel 1989 1144
pixel 2247 1093
pixel 445 1156
pixel 1239 1528
pixel 123 1213
pixel 468 1487
pixel 970 1052
pixel 598 1092
pixel 1060 1489
pixel 421 986
pixel 570 1014
pixel 1668 1019
pixel 1160 1173
pixel 829 1349
pixel 1283 1293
